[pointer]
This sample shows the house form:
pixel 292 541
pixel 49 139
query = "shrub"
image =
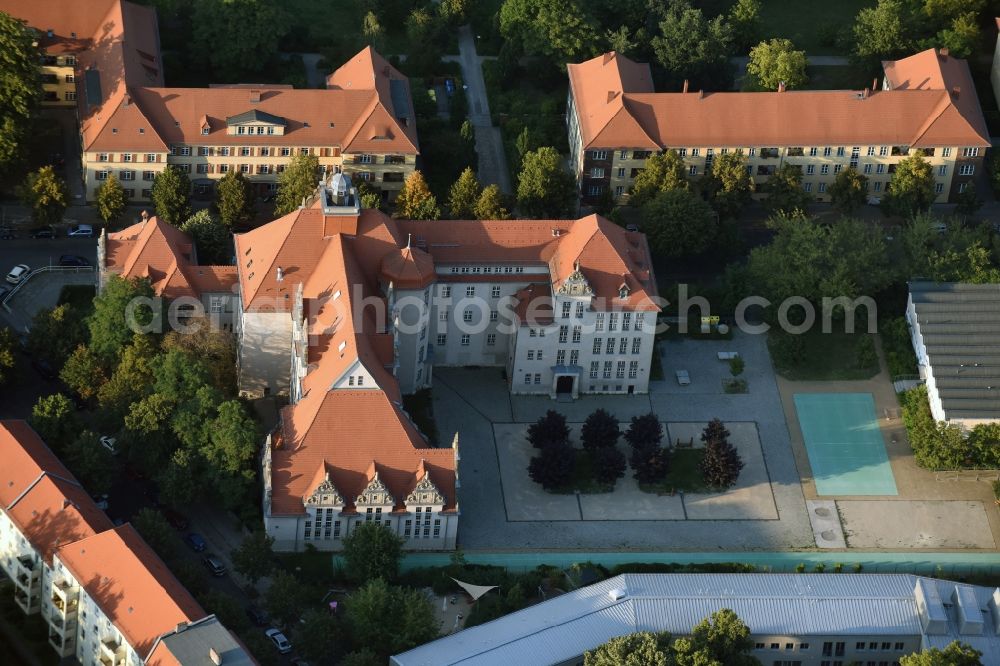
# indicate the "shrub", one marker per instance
pixel 608 464
pixel 599 431
pixel 865 354
pixel 789 350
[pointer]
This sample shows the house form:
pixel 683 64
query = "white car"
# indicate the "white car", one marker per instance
pixel 84 230
pixel 18 273
pixel 683 378
pixel 110 443
pixel 280 642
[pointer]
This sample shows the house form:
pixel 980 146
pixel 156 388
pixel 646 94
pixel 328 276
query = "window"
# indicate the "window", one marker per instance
pixel 943 170
pixel 775 646
pixel 898 646
pixel 286 152
pixel 860 646
pixel 246 151
pixel 538 378
pixel 599 154
pixel 827 151
pixel 886 646
pixel 607 369
pixel 837 168
pixel 102 157
pixel 610 348
pixel 619 190
pixel 871 151
pixel 623 345
pixel 878 186
pixel 873 645
pixel 636 345
pixel 693 171
pixel 828 649
pixel 446 291
pixel 620 370
pixel 577 333
pixel 868 168
pixel 626 320
pixel 822 188
pixel 244 168
pixel 621 172
pixel 465 340
pixel 939 188
pixel 202 168
pixel 599 322
pixel 574 357
pixel 803 647
pixel 597 345
pixel 532 332
pixel 442 339
pixel 824 170
pixel 126 175
pixel 613 321
pixel 695 152
pixel 789 646
pixel 491 339
pixel 538 354
pixel 758 646
pixel 880 168
pixel 597 172
pixel 840 151
pixel 102 175
pixel 970 152
pixel 810 169
pixel 467 315
pixel 495 291
pixel 579 310
pixel 561 357
pixel 946 152
pixel 470 291
pixel 966 169
pixel 364 158
pixel 565 309
pixel 623 155
pixel 527 378
pixel 127 157
pixel 563 334
pixel 838 649
pixel 265 151
pixel 813 151
pixel 962 188
pixel 594 367
pixel 494 315
pixel 633 369
pixel 807 187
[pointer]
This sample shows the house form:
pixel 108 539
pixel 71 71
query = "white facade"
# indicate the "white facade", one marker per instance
pixel 23 565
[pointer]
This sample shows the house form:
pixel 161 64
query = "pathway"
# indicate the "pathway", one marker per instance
pixel 489 144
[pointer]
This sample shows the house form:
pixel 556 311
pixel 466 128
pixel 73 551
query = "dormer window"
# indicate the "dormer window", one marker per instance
pixel 623 291
pixel 204 131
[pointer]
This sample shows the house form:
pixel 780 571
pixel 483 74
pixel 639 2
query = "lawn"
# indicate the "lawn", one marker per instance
pixel 684 475
pixel 818 356
pixel 80 297
pixel 583 477
pixel 810 24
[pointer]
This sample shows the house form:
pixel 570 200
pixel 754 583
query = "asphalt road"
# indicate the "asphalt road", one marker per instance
pixel 43 251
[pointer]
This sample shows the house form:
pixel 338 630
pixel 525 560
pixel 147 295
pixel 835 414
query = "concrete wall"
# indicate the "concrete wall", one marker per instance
pixel 265 348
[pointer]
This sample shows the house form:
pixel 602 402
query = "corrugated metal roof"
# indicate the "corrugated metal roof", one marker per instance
pixel 770 604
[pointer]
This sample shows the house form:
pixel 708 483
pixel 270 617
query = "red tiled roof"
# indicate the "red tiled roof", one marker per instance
pixel 617 107
pixel 131 585
pixel 408 268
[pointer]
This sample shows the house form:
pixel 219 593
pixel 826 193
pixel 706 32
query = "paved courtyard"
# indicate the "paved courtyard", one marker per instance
pixel 500 509
pixel 896 525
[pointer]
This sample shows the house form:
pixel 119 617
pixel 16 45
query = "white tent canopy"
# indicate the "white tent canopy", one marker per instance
pixel 475 591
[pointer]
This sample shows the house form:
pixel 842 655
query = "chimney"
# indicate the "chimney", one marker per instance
pixel 145 217
pixel 945 52
pixel 956 91
pixel 254 96
pixel 214 655
pixel 865 93
pixel 280 275
pixel 701 94
pixel 611 96
pixel 608 57
pixel 685 88
pixel 874 84
pixel 181 626
pixel 781 86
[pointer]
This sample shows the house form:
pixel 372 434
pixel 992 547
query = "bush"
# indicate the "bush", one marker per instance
pixel 897 347
pixel 788 350
pixel 608 464
pixel 943 446
pixel 865 354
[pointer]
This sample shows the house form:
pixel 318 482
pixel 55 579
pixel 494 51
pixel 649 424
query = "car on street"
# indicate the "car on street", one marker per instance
pixel 44 232
pixel 258 616
pixel 196 542
pixel 215 565
pixel 6 233
pixel 110 443
pixel 73 260
pixel 84 230
pixel 18 273
pixel 280 642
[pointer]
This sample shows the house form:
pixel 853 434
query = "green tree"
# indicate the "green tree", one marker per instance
pixel 55 333
pixel 882 31
pixel 8 343
pixel 620 40
pixel 661 173
pixel 212 239
pixel 784 190
pixel 372 29
pixel 744 19
pixel 968 201
pixel 552 467
pixel 285 598
pixel 262 27
pixel 83 373
pixel 489 205
pixel 371 197
pixel 406 610
pixel 639 649
pixel 296 183
pixel 609 465
pixel 911 189
pixel 544 188
pixel 548 430
pixel 849 191
pixel 561 30
pixel 372 551
pixel 415 201
pixel 171 195
pixel 45 193
pixel 235 201
pixel 961 37
pixel 158 533
pixel 731 184
pixel 692 47
pixel 109 322
pixel 464 195
pixel 600 430
pixel 456 12
pixel 721 463
pixel 776 61
pixel 111 199
pixel 21 91
pixel 364 657
pixel 725 638
pixel 54 419
pixel 644 430
pixel 213 347
pixel 132 377
pixel 650 463
pixel 254 558
pixel 91 463
pixel 955 654
pixel 233 439
pixel 679 223
pixel 317 636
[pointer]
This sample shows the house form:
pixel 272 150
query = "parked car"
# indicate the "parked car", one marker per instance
pixel 18 273
pixel 631 227
pixel 178 521
pixel 215 565
pixel 683 378
pixel 258 616
pixel 449 86
pixel 6 233
pixel 44 368
pixel 110 443
pixel 44 232
pixel 280 642
pixel 84 230
pixel 73 260
pixel 196 542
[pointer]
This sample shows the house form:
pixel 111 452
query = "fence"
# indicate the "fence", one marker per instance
pixel 43 269
pixel 968 475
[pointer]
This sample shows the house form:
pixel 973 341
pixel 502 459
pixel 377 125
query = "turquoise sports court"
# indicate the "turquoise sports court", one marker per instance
pixel 846 450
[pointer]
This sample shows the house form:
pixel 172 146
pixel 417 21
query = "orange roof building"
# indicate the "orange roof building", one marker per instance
pixel 347 310
pixel 926 104
pixel 69 562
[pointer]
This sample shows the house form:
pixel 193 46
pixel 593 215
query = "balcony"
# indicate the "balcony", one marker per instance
pixel 65 598
pixel 111 652
pixel 64 645
pixel 768 153
pixel 26 572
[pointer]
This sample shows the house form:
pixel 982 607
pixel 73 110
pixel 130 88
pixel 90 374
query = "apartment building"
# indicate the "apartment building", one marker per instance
pixel 167 257
pixel 106 597
pixel 794 619
pixel 926 105
pixel 347 310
